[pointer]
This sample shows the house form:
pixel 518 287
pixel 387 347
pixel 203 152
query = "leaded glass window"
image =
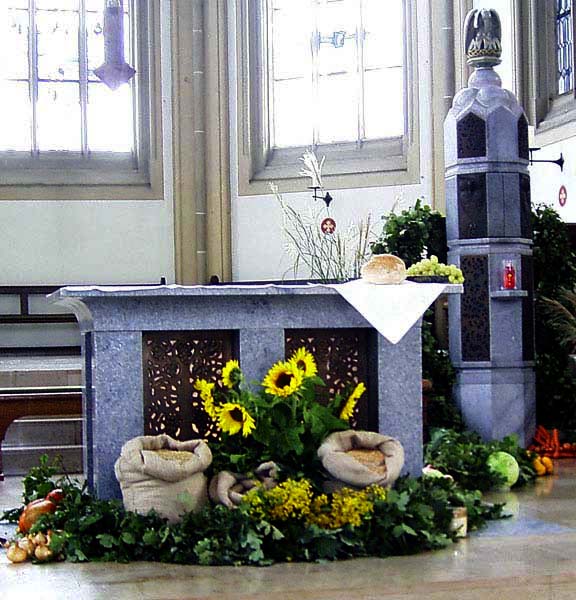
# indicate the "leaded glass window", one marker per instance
pixel 52 102
pixel 565 45
pixel 336 71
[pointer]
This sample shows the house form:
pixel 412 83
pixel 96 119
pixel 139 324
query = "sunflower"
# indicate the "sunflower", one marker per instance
pixel 231 374
pixel 205 388
pixel 283 379
pixel 233 418
pixel 305 362
pixel 348 408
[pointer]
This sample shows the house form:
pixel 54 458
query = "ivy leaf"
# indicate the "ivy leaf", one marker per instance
pixel 106 540
pixel 128 538
pixel 86 522
pixel 401 529
pixel 150 537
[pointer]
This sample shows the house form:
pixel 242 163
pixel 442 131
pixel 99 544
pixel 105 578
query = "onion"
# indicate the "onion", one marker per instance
pixel 43 553
pixel 28 545
pixel 16 554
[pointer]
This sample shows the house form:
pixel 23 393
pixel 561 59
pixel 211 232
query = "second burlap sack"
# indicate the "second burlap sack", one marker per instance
pixel 362 458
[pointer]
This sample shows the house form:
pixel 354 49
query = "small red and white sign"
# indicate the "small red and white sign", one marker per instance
pixel 562 195
pixel 554 191
pixel 328 226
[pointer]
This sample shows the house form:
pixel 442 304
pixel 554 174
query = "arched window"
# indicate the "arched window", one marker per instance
pixel 60 123
pixel 333 75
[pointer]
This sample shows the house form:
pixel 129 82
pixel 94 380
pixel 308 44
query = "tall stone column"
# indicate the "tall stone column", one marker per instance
pixel 489 237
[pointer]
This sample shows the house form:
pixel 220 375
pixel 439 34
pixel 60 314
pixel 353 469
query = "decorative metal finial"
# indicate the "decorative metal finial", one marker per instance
pixel 483 35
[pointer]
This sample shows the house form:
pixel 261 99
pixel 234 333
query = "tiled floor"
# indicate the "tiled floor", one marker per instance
pixel 529 557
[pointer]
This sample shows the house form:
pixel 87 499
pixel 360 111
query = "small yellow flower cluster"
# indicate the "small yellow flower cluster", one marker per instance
pixel 295 500
pixel 290 499
pixel 345 507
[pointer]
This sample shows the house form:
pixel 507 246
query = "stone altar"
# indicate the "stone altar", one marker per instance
pixel 115 321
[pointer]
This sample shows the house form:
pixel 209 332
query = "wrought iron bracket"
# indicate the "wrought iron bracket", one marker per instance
pixel 327 198
pixel 558 161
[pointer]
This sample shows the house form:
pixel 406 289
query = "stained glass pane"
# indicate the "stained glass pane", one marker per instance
pixel 384 103
pixel 59 122
pixel 57 45
pixel 565 45
pixel 384 33
pixel 15 116
pixel 59 5
pixel 291 34
pixel 110 125
pixel 337 31
pixel 97 5
pixel 13 44
pixel 95 42
pixel 338 114
pixel 293 113
pixel 15 4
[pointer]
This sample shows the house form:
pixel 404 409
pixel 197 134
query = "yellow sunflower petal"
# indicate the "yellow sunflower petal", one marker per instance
pixel 231 374
pixel 233 418
pixel 205 388
pixel 305 362
pixel 348 408
pixel 283 379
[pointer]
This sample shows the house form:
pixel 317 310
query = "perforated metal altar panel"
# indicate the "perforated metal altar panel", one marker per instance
pixel 342 357
pixel 172 361
pixel 475 310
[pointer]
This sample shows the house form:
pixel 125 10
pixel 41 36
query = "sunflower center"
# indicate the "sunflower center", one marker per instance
pixel 301 365
pixel 236 415
pixel 284 380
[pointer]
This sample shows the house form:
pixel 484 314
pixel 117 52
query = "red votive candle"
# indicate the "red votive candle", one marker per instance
pixel 509 276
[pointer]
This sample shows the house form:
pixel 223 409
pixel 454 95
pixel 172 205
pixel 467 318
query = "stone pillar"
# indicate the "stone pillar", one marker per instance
pixel 488 227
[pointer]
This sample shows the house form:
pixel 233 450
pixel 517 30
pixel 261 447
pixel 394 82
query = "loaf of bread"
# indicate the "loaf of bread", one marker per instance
pixel 384 269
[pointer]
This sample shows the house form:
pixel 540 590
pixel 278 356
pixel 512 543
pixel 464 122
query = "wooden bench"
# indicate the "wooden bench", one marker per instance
pixel 27 402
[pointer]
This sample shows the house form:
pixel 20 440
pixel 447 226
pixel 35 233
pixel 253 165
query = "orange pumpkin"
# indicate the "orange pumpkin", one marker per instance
pixel 32 511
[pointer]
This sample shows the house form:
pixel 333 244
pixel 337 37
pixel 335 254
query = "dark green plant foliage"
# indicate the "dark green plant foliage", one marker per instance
pixel 414 517
pixel 464 455
pixel 412 233
pixel 441 410
pixel 554 259
pixel 554 271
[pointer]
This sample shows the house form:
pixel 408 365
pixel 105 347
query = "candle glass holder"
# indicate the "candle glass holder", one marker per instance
pixel 508 280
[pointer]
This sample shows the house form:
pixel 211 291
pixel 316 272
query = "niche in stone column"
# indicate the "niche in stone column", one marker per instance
pixel 471 136
pixel 472 209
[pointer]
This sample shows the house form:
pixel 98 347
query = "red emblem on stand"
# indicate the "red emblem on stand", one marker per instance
pixel 562 195
pixel 328 225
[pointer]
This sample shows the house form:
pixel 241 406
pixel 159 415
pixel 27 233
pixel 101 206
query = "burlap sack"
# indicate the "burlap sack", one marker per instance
pixel 338 451
pixel 229 488
pixel 150 481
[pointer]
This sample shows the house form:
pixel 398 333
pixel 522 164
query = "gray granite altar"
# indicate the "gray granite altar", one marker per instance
pixel 113 319
pixel 488 226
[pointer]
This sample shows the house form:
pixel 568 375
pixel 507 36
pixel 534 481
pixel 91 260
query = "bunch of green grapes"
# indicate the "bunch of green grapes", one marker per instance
pixel 431 266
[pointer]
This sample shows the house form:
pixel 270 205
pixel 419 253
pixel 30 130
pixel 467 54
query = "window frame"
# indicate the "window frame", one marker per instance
pixel 390 161
pixel 62 175
pixel 552 115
